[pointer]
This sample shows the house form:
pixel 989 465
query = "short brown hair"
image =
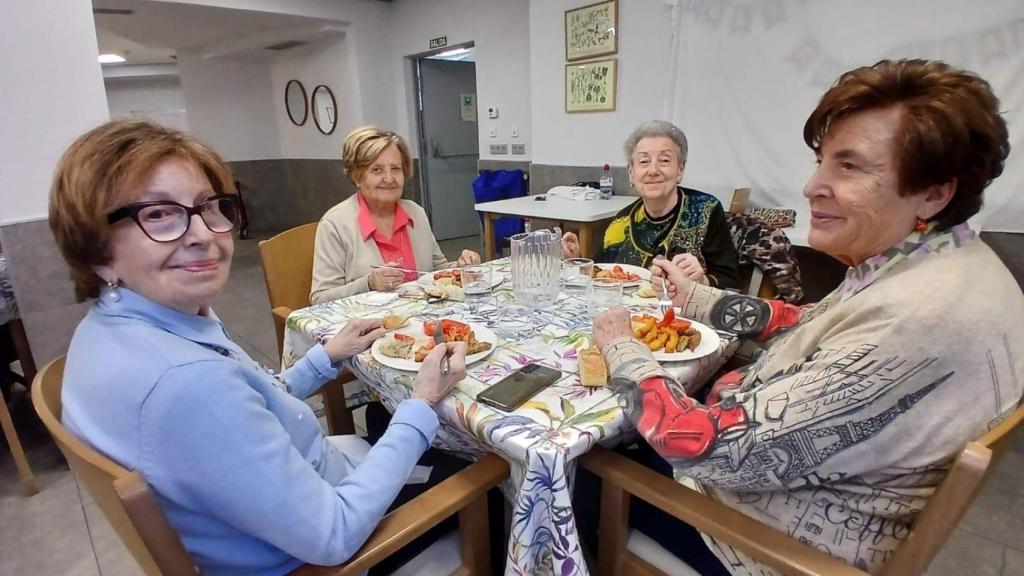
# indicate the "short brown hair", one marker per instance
pixel 363 146
pixel 99 173
pixel 950 127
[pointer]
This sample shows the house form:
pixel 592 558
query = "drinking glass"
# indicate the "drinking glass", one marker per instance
pixel 576 275
pixel 476 284
pixel 604 293
pixel 515 321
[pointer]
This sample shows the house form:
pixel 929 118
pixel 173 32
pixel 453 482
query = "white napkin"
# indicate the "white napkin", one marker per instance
pixel 575 193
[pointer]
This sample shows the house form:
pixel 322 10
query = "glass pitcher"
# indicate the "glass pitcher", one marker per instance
pixel 536 265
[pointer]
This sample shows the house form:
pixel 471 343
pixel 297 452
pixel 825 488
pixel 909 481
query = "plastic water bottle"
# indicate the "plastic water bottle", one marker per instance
pixel 606 182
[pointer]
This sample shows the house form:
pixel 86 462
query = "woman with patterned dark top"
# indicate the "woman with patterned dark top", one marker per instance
pixel 844 425
pixel 682 224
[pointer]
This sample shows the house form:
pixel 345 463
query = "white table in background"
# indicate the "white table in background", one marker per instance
pixel 589 214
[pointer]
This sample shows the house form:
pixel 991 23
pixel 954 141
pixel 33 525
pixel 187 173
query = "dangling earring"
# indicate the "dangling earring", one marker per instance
pixel 113 293
pixel 921 224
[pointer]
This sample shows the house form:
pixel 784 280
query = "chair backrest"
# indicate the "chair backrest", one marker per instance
pixel 288 266
pixel 122 495
pixel 952 499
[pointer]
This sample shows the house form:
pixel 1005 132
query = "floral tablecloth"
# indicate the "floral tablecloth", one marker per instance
pixel 540 440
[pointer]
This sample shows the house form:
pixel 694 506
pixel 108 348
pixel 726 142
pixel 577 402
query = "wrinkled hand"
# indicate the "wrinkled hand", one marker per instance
pixel 691 267
pixel 355 337
pixel 468 257
pixel 430 386
pixel 611 325
pixel 384 279
pixel 570 245
pixel 679 285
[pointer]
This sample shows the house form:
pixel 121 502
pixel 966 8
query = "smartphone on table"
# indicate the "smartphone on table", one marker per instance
pixel 518 387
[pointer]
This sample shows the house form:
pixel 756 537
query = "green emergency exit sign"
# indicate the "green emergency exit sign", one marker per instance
pixel 438 42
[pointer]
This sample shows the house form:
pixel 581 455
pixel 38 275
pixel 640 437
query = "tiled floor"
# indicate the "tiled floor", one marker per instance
pixel 60 530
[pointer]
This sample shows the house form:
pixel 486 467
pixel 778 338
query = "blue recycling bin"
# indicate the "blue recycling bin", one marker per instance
pixel 492 185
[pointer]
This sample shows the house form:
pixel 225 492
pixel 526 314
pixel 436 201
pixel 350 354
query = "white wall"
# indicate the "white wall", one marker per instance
pixel 155 98
pixel 500 31
pixel 51 88
pixel 230 105
pixel 644 75
pixel 328 63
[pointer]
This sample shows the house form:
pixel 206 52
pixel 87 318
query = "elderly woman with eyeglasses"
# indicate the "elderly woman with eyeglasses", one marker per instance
pixel 143 215
pixel 375 240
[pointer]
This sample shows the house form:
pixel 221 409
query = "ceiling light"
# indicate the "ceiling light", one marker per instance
pixel 111 59
pixel 454 52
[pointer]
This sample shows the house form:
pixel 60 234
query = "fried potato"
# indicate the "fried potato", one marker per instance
pixel 659 341
pixel 647 324
pixel 694 340
pixel 672 342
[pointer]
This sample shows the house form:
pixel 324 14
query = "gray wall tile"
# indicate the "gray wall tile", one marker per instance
pixel 1010 248
pixel 545 176
pixel 49 332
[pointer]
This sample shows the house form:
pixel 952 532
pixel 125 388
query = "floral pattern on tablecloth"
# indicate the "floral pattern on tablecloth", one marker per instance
pixel 540 440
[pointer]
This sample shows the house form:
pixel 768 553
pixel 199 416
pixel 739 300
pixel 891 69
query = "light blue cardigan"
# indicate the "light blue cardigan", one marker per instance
pixel 236 458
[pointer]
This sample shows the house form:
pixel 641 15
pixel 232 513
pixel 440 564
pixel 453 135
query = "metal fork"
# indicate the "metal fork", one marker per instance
pixel 446 365
pixel 664 303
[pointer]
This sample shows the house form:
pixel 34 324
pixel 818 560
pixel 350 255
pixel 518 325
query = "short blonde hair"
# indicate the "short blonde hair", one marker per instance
pixel 99 173
pixel 364 145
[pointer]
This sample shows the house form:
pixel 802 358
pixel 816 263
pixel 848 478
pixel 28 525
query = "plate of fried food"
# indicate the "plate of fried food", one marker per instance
pixel 405 348
pixel 672 339
pixel 628 274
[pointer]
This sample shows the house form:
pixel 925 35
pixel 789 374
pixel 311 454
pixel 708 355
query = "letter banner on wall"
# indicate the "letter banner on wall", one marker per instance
pixel 749 72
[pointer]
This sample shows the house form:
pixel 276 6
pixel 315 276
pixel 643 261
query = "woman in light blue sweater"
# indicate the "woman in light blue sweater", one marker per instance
pixel 234 455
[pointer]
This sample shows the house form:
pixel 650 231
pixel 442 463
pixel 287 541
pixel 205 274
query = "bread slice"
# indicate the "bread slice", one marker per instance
pixel 593 370
pixel 393 321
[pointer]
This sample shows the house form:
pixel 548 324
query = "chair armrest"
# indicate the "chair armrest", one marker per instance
pixel 159 538
pixel 765 544
pixel 414 518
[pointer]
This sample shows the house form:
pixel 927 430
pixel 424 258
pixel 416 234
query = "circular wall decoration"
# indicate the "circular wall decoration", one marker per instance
pixel 325 109
pixel 295 102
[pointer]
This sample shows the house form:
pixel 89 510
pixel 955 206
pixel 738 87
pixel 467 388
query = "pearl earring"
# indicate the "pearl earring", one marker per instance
pixel 113 293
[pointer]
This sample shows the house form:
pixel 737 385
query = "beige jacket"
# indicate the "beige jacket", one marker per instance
pixel 342 259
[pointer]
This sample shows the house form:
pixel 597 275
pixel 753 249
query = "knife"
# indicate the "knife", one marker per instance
pixel 439 340
pixel 399 268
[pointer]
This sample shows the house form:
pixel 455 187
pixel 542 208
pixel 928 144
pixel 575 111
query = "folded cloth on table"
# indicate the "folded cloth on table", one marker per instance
pixel 575 193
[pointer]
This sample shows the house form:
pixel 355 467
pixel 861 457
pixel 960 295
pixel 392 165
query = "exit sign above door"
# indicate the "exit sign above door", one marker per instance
pixel 438 42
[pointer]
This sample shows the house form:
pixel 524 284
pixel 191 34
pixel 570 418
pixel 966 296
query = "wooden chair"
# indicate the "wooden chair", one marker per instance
pixel 130 507
pixel 288 271
pixel 28 481
pixel 622 478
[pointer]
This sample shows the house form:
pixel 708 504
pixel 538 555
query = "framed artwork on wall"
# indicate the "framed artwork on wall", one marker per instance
pixel 590 86
pixel 592 30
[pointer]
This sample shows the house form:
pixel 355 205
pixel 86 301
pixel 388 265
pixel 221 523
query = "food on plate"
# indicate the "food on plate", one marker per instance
pixel 669 333
pixel 646 290
pixel 455 331
pixel 444 277
pixel 615 273
pixel 393 321
pixel 593 370
pixel 454 292
pixel 397 346
pixel 435 292
pixel 445 282
pixel 424 350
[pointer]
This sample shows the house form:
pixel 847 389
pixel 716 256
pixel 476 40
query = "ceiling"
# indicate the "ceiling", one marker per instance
pixel 155 31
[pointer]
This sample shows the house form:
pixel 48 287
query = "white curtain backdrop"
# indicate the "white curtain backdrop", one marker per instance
pixel 747 73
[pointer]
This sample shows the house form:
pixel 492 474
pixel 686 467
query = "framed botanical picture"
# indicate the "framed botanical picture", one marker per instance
pixel 590 86
pixel 592 30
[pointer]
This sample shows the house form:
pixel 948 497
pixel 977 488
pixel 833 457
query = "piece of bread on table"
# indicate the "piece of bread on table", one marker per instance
pixel 393 321
pixel 593 370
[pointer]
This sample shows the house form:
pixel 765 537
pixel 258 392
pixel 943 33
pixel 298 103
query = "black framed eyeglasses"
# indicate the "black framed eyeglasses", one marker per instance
pixel 167 221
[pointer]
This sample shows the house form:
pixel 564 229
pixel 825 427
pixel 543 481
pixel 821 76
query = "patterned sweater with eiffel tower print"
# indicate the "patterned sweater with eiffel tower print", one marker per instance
pixel 845 424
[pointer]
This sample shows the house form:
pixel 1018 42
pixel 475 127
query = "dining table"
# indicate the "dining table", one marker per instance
pixel 541 439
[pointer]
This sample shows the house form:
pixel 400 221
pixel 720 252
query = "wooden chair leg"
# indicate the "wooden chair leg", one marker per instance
pixel 613 529
pixel 473 536
pixel 339 416
pixel 28 481
pixel 28 364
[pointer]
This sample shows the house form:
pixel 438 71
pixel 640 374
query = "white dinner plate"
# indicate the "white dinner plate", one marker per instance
pixel 643 273
pixel 414 328
pixel 709 343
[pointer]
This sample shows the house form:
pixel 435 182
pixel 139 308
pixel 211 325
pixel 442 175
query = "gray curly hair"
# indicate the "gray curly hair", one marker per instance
pixel 655 129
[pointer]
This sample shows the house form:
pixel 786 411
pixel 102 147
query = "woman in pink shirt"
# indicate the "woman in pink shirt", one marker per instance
pixel 374 239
